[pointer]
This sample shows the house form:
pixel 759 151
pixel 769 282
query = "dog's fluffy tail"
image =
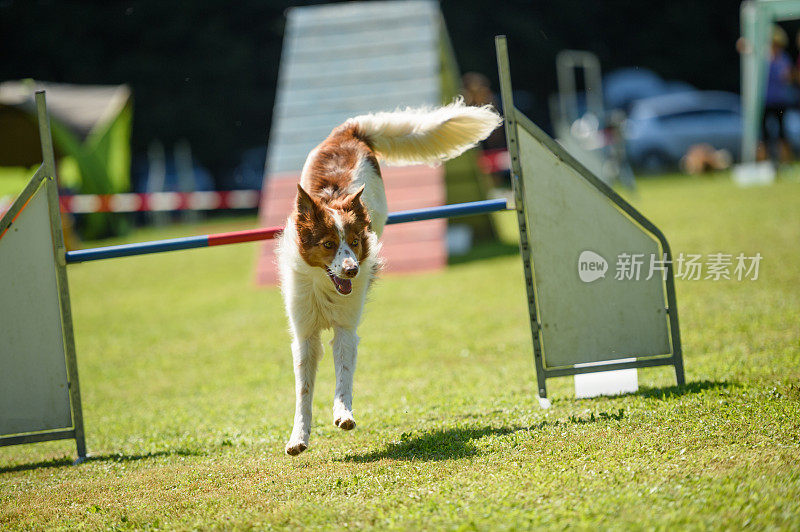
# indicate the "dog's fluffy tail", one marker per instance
pixel 427 136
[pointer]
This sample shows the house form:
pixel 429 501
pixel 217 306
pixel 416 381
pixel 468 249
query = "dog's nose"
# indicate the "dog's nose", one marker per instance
pixel 350 268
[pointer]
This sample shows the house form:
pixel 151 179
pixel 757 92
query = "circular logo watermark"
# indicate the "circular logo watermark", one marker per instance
pixel 591 266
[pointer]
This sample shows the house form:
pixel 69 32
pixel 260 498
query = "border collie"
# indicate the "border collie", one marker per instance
pixel 328 253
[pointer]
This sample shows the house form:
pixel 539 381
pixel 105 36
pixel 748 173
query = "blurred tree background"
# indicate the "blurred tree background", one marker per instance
pixel 206 70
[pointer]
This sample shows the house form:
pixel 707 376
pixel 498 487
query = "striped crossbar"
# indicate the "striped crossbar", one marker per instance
pixel 252 235
pixel 154 201
pixel 490 161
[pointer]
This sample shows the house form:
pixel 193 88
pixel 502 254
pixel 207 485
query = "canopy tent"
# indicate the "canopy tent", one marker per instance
pixel 91 127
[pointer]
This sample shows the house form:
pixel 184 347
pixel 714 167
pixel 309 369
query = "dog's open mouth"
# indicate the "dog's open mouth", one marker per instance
pixel 343 286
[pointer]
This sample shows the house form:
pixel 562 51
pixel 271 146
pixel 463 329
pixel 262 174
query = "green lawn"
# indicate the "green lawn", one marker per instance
pixel 13 180
pixel 188 398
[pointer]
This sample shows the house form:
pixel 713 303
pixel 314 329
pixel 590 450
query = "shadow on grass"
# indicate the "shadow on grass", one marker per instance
pixel 434 445
pixel 459 442
pixel 447 444
pixel 486 250
pixel 666 392
pixel 113 457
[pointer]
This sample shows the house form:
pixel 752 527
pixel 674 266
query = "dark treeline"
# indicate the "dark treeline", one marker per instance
pixel 206 70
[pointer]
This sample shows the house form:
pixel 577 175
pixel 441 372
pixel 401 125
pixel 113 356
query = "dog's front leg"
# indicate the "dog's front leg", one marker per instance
pixel 306 354
pixel 345 345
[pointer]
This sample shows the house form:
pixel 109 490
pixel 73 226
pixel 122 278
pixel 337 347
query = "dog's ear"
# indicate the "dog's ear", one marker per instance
pixel 355 199
pixel 305 203
pixel 355 204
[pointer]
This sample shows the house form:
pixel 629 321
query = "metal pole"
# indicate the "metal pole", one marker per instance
pixel 49 164
pixel 519 193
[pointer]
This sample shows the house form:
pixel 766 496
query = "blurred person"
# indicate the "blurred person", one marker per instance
pixel 796 73
pixel 477 91
pixel 778 97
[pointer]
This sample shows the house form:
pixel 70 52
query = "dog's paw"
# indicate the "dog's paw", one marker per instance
pixel 295 447
pixel 344 420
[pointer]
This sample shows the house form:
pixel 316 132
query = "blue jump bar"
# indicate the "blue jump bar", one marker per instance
pixel 139 248
pixel 192 242
pixel 447 211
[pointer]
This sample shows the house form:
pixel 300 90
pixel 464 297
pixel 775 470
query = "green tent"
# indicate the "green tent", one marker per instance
pixel 91 131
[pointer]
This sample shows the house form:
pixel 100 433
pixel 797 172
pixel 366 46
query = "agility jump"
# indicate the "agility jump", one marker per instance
pixel 562 211
pixel 268 233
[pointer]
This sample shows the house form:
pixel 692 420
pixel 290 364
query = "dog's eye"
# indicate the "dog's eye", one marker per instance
pixel 354 242
pixel 328 244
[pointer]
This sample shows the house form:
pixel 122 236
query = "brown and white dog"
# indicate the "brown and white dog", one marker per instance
pixel 328 253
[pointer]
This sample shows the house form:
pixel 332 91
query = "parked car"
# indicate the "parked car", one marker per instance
pixel 624 86
pixel 660 130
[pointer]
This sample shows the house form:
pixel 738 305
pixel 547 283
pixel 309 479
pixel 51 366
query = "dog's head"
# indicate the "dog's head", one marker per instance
pixel 333 235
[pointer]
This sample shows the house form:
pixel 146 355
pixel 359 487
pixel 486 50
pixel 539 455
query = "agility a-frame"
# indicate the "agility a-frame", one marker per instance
pixel 39 391
pixel 576 234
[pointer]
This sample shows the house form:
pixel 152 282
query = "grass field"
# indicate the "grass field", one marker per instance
pixel 188 398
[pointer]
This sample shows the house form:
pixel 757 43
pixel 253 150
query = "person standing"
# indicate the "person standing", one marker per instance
pixel 779 96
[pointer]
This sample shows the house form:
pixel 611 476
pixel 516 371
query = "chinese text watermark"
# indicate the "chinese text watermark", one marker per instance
pixel 686 266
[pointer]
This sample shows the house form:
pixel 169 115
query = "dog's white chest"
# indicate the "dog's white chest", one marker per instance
pixel 329 308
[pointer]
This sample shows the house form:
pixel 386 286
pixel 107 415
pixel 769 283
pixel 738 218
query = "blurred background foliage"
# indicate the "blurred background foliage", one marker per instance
pixel 206 70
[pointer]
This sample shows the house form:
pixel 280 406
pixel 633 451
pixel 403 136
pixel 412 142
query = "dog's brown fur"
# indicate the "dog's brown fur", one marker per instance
pixel 336 158
pixel 325 188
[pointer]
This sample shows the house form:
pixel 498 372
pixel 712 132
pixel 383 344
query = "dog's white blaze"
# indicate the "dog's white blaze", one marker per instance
pixel 345 257
pixel 337 220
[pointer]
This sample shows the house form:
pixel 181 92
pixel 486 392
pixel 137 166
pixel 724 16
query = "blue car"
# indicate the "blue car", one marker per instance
pixel 624 86
pixel 661 129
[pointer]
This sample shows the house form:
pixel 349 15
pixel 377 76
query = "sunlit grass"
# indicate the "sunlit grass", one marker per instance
pixel 188 398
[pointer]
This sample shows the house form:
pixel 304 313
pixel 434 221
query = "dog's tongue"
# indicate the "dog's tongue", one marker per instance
pixel 343 286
